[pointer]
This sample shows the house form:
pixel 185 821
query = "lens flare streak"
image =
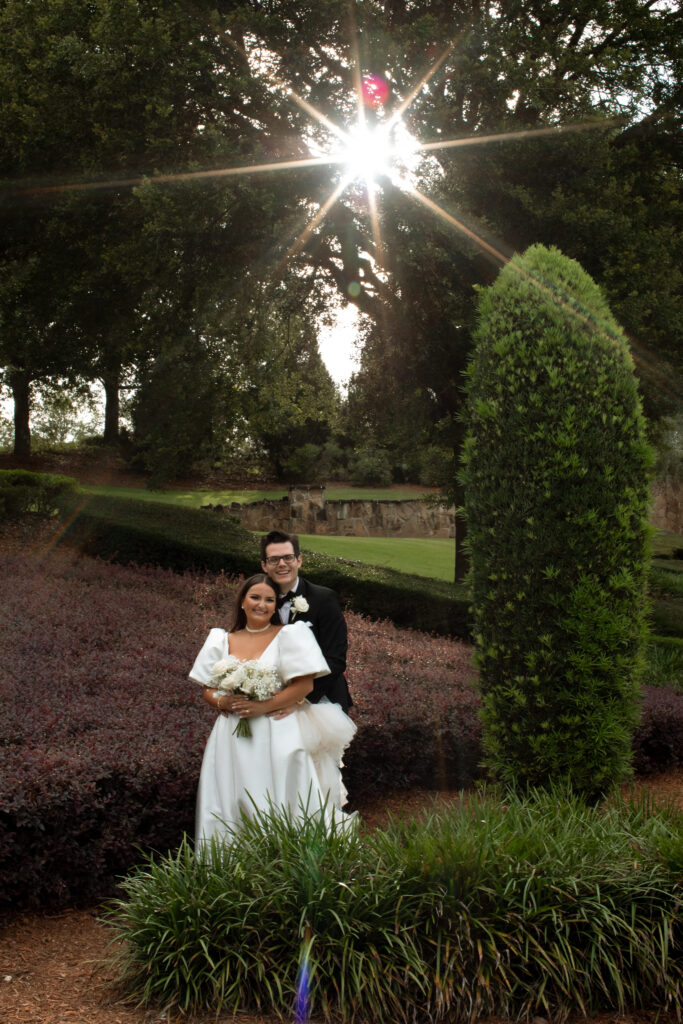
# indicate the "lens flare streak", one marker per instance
pixel 359 140
pixel 303 981
pixel 299 242
pixel 162 179
pixel 454 222
pixel 523 133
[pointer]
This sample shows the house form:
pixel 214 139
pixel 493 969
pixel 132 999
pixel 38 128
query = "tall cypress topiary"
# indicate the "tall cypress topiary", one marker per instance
pixel 556 472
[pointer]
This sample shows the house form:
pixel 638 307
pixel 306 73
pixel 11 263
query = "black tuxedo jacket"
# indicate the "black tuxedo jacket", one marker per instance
pixel 329 628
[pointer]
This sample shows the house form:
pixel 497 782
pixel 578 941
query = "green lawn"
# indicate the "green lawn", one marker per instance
pixel 193 499
pixel 422 557
pixel 665 542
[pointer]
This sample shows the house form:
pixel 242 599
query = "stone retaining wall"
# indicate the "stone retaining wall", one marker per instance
pixel 667 510
pixel 305 510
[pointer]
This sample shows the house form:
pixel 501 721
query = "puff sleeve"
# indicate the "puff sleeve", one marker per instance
pixel 215 647
pixel 299 653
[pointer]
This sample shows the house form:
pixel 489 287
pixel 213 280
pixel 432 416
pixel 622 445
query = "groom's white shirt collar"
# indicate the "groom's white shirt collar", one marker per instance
pixel 285 606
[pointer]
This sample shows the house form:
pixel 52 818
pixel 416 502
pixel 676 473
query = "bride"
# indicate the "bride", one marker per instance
pixel 291 759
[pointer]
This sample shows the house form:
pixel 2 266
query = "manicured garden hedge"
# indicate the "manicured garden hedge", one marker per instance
pixel 556 477
pixel 102 734
pixel 22 491
pixel 177 538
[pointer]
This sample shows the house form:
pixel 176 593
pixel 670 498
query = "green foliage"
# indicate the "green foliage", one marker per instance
pixel 436 466
pixel 666 589
pixel 664 662
pixel 665 583
pixel 556 476
pixel 666 616
pixel 370 467
pixel 182 538
pixel 313 462
pixel 22 492
pixel 669 443
pixel 177 411
pixel 518 909
pixel 304 463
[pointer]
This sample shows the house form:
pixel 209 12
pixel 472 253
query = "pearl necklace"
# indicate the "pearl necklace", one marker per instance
pixel 261 630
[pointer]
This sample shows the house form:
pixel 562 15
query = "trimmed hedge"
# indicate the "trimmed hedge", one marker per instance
pixel 23 492
pixel 148 533
pixel 556 472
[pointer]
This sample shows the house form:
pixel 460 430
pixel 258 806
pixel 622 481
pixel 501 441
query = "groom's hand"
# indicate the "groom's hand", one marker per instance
pixel 282 712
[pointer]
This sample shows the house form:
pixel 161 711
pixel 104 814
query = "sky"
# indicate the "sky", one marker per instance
pixel 336 344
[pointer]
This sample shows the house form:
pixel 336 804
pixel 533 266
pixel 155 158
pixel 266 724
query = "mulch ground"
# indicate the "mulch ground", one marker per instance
pixel 53 969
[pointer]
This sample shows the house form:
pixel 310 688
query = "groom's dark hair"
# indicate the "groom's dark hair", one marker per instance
pixel 279 537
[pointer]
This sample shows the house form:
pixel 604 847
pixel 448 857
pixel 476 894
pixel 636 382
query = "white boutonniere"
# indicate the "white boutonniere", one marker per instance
pixel 299 604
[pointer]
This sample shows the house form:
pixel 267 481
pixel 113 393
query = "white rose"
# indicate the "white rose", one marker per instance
pixel 300 604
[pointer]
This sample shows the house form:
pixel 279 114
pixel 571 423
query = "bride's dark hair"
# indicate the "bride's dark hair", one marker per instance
pixel 239 619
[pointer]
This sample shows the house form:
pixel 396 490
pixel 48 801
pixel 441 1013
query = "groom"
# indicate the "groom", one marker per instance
pixel 281 560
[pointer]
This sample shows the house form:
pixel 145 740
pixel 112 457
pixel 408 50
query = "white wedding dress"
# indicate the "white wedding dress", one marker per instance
pixel 289 763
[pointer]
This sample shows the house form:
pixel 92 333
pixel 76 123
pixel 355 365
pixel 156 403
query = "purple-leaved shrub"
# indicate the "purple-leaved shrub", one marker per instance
pixel 102 733
pixel 416 710
pixel 658 740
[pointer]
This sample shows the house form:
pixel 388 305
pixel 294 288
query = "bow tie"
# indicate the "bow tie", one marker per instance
pixel 281 598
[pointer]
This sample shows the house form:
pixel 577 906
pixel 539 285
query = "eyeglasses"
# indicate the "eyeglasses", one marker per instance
pixel 272 561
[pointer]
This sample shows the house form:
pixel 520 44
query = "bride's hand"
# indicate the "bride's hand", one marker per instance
pixel 246 708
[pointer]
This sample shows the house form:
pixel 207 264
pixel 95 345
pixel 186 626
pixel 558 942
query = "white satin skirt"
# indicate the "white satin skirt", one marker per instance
pixel 293 764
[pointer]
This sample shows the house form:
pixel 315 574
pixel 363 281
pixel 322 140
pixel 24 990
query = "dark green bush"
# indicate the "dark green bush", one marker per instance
pixel 152 533
pixel 556 476
pixel 370 467
pixel 436 466
pixel 22 492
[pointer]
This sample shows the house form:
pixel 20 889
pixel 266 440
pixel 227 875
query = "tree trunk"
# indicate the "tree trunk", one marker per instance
pixel 111 407
pixel 20 383
pixel 462 562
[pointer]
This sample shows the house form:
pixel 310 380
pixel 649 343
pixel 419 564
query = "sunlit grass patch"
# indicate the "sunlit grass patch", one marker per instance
pixel 430 557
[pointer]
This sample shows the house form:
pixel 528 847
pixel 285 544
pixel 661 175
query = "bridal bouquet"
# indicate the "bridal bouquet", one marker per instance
pixel 251 678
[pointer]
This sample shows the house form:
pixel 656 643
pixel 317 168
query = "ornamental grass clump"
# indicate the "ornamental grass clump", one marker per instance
pixel 540 906
pixel 556 474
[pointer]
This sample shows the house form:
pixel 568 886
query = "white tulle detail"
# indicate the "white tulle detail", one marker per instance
pixel 326 732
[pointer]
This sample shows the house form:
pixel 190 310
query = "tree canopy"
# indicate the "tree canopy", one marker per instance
pixel 544 123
